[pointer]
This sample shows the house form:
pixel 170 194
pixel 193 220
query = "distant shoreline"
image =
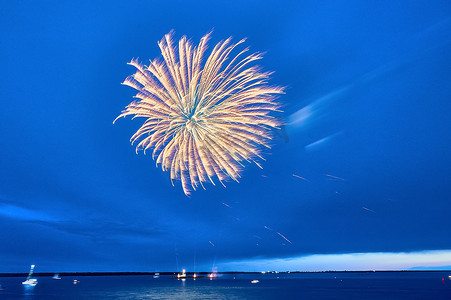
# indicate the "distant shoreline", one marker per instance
pixel 50 274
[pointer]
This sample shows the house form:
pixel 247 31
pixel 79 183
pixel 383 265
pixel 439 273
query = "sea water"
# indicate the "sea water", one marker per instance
pixel 370 285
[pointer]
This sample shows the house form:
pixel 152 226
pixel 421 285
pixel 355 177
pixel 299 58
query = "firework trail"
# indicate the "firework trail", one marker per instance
pixel 203 120
pixel 225 204
pixel 366 208
pixel 301 177
pixel 284 237
pixel 281 235
pixel 335 177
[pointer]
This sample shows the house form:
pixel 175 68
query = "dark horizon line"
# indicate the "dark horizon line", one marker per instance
pixel 49 274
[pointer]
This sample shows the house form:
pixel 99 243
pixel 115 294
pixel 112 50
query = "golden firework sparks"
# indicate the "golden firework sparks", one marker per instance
pixel 202 119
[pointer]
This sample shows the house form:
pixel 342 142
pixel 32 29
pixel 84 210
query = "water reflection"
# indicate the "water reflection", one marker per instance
pixel 28 292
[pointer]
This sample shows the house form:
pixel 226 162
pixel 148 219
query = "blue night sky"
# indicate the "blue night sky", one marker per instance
pixel 367 112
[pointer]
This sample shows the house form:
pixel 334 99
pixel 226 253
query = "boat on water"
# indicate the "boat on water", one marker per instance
pixel 30 281
pixel 156 275
pixel 255 281
pixel 56 276
pixel 184 276
pixel 181 276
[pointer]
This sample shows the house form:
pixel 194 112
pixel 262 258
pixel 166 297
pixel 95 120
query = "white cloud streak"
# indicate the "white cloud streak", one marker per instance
pixel 348 261
pixel 16 212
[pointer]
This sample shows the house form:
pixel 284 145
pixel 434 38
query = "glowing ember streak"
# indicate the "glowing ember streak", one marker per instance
pixel 301 177
pixel 203 119
pixel 284 237
pixel 335 177
pixel 366 208
pixel 281 235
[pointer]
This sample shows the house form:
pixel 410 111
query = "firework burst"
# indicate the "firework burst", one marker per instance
pixel 203 120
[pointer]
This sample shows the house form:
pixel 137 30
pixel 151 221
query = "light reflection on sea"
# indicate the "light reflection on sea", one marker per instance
pixel 395 285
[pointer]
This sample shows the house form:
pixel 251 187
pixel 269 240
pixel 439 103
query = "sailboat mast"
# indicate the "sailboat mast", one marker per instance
pixel 31 272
